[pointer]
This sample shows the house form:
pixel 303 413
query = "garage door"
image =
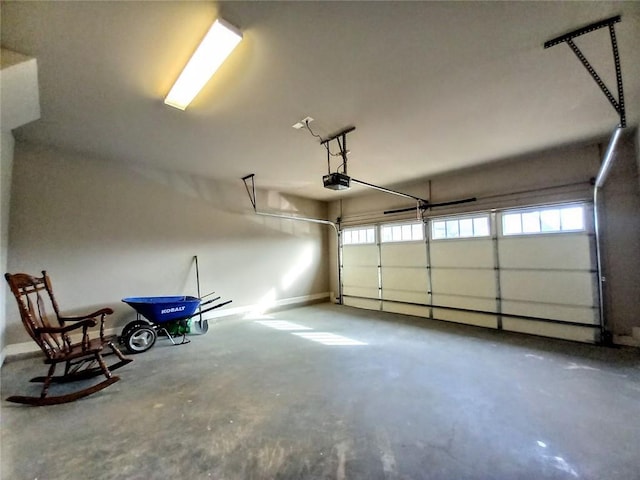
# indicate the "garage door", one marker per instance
pixel 548 271
pixel 529 270
pixel 463 270
pixel 404 276
pixel 360 272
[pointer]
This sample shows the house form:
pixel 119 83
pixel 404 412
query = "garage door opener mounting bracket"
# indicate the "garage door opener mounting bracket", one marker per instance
pixel 339 180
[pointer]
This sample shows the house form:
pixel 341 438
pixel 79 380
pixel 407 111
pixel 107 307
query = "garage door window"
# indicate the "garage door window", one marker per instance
pixel 402 232
pixel 477 226
pixel 568 218
pixel 358 236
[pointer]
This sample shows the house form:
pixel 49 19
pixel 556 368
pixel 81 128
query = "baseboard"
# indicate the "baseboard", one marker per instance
pixel 19 351
pixel 626 340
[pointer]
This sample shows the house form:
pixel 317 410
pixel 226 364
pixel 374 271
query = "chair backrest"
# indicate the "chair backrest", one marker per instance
pixel 34 296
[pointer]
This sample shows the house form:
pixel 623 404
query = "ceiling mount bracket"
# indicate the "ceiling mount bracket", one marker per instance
pixel 341 181
pixel 567 38
pixel 252 192
pixel 342 147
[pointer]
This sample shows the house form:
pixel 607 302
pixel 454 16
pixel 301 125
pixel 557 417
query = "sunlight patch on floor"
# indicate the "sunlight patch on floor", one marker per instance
pixel 282 325
pixel 328 338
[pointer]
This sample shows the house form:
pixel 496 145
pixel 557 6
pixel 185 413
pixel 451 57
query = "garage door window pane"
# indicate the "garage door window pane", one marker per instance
pixel 550 220
pixel 417 230
pixel 572 218
pixel 466 227
pixel 512 224
pixel 531 222
pixel 439 230
pixel 452 229
pixel 481 227
pixel 371 237
pixel 386 234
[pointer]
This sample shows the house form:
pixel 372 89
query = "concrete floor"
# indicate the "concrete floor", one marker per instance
pixel 421 400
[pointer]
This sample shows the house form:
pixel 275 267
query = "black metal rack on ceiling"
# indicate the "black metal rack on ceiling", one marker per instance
pixel 617 104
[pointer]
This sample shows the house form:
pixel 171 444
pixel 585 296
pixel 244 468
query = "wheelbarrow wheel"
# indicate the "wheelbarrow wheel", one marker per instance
pixel 140 338
pixel 203 326
pixel 129 327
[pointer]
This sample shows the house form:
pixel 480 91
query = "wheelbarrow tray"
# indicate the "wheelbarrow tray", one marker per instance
pixel 164 309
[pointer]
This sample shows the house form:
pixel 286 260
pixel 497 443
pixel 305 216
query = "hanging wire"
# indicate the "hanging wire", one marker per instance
pixel 326 145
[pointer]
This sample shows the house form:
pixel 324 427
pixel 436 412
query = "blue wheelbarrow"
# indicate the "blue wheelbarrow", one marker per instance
pixel 169 316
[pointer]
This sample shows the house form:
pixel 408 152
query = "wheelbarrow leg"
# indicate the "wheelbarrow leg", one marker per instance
pixel 183 324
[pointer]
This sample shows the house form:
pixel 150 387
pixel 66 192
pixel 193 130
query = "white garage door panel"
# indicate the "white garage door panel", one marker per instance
pixel 360 255
pixel 469 318
pixel 360 276
pixel 404 278
pixel 564 288
pixel 565 251
pixel 567 313
pixel 477 283
pixel 362 303
pixel 470 303
pixel 567 332
pixel 358 291
pixel 415 310
pixel 403 254
pixel 462 253
pixel 405 296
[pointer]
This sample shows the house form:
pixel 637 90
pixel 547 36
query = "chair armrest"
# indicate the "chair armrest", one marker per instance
pixel 81 324
pixel 77 318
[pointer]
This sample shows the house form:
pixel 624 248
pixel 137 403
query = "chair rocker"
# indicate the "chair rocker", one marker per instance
pixel 83 360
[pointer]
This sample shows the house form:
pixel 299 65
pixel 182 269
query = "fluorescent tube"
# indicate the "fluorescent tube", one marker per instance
pixel 215 47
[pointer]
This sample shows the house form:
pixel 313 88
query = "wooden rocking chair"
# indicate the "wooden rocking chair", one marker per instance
pixel 82 360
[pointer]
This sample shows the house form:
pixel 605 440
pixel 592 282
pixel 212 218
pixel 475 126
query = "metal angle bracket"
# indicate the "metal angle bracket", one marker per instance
pixel 342 146
pixel 618 104
pixel 252 192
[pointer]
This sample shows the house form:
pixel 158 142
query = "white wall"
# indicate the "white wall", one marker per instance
pixel 621 239
pixel 638 153
pixel 541 177
pixel 20 102
pixel 105 231
pixel 6 162
pixel 19 93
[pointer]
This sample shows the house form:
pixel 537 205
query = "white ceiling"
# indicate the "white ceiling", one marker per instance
pixel 431 86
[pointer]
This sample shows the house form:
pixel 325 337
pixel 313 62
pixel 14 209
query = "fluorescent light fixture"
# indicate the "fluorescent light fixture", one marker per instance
pixel 215 47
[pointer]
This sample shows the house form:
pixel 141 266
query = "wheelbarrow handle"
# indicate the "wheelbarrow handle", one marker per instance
pixel 209 301
pixel 216 306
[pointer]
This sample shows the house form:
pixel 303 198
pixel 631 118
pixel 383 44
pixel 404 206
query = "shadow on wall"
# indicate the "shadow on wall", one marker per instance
pixel 105 231
pixel 232 198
